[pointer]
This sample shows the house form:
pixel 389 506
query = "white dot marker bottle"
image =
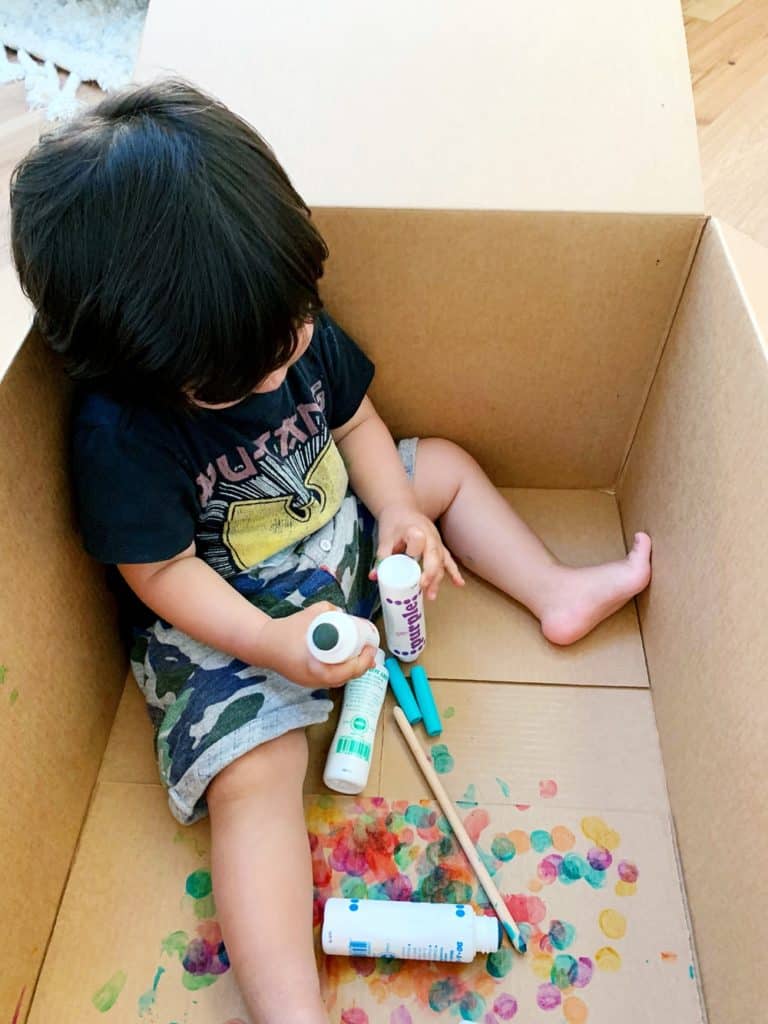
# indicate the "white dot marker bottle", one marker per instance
pixel 408 931
pixel 402 606
pixel 349 760
pixel 334 637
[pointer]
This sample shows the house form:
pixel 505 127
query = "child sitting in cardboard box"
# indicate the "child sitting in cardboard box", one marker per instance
pixel 228 460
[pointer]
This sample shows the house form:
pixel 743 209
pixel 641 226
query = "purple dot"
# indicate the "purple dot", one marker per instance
pixel 548 868
pixel 548 997
pixel 505 1006
pixel 398 602
pixel 584 972
pixel 197 957
pixel 389 600
pixel 599 858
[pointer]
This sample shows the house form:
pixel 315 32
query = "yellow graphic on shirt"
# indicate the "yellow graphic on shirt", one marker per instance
pixel 258 528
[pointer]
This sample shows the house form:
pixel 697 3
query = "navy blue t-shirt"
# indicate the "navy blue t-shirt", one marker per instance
pixel 243 482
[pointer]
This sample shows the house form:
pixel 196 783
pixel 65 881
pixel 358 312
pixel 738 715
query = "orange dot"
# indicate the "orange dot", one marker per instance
pixel 210 931
pixel 562 838
pixel 575 1011
pixel 534 885
pixel 402 984
pixel 486 985
pixel 378 989
pixel 520 839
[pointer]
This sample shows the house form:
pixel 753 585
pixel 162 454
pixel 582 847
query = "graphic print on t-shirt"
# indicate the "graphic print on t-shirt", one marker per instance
pixel 283 487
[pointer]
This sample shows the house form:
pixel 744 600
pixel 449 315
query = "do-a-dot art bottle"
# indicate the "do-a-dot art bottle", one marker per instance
pixel 408 931
pixel 349 759
pixel 402 606
pixel 334 637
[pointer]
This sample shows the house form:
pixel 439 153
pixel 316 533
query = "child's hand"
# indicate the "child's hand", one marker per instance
pixel 404 529
pixel 282 645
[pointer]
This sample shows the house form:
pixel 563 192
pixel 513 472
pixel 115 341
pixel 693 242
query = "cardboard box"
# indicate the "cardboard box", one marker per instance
pixel 512 202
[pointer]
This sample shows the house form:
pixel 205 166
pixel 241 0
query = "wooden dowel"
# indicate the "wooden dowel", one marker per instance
pixel 450 812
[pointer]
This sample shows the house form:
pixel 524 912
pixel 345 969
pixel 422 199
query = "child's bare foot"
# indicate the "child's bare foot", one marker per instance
pixel 581 598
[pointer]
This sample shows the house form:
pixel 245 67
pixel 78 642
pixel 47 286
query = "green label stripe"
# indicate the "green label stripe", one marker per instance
pixel 345 745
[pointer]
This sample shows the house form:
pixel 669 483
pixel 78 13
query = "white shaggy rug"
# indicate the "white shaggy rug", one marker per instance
pixel 95 40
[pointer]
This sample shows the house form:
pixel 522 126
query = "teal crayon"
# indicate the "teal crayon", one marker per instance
pixel 402 691
pixel 426 701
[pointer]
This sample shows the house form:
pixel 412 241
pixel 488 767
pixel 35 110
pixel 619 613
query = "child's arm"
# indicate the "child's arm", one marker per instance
pixel 378 478
pixel 188 593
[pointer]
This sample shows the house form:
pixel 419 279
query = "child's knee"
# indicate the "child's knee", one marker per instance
pixel 276 766
pixel 442 467
pixel 446 454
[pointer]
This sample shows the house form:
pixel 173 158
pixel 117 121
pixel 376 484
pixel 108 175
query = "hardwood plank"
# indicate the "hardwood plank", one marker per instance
pixel 708 10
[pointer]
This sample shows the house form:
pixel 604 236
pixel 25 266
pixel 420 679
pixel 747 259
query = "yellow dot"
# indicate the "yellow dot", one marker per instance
pixel 534 885
pixel 596 830
pixel 575 1011
pixel 541 965
pixel 520 839
pixel 607 959
pixel 613 924
pixel 562 838
pixel 623 888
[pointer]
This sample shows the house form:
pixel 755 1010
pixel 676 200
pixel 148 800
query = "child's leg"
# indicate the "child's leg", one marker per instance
pixel 262 881
pixel 483 532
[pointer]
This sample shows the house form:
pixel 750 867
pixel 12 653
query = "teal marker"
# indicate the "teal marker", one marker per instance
pixel 426 701
pixel 402 691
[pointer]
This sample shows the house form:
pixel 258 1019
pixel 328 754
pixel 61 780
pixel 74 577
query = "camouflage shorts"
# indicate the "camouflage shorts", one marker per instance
pixel 209 708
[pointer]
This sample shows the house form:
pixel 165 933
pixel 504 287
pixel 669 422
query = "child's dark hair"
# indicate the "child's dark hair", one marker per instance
pixel 164 247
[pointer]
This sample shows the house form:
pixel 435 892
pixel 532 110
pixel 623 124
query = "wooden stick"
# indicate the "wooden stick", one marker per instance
pixel 493 894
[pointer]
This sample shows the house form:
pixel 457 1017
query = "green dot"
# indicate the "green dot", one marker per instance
pixel 499 964
pixel 106 997
pixel 196 981
pixel 175 944
pixel 354 888
pixel 442 759
pixel 503 848
pixel 199 884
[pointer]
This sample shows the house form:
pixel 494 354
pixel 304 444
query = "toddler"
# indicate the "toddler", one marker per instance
pixel 228 460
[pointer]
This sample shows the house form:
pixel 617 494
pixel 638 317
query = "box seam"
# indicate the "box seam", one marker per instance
pixel 64 888
pixel 667 333
pixel 73 859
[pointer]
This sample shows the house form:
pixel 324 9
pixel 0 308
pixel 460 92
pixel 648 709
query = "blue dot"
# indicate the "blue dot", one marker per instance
pixel 460 912
pixel 353 905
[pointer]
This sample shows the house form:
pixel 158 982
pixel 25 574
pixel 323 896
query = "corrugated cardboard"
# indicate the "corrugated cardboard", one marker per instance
pixel 442 105
pixel 513 206
pixel 696 477
pixel 505 642
pixel 532 337
pixel 61 664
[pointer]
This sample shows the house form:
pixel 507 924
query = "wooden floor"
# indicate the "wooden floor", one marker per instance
pixel 728 54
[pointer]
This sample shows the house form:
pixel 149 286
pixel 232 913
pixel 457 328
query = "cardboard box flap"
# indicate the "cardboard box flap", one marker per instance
pixel 444 104
pixel 749 262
